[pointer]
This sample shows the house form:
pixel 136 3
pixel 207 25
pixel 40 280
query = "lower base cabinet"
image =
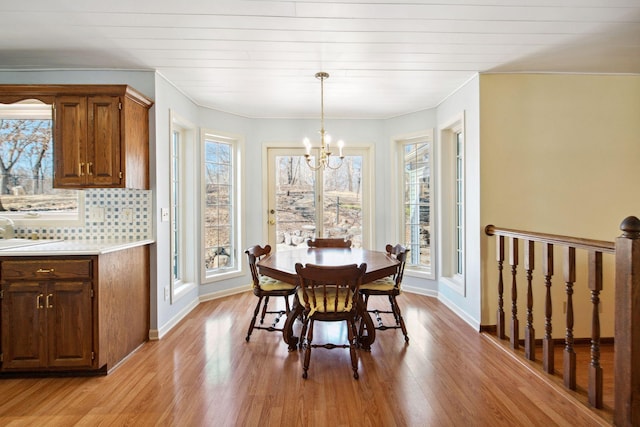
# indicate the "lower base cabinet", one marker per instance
pixel 66 314
pixel 47 325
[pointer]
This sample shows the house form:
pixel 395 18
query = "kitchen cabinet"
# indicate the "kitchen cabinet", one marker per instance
pixel 101 133
pixel 101 140
pixel 87 142
pixel 47 314
pixel 80 313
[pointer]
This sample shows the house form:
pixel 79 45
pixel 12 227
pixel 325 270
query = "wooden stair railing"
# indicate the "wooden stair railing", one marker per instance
pixel 627 308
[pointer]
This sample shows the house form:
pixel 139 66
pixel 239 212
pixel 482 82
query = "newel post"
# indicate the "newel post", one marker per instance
pixel 627 325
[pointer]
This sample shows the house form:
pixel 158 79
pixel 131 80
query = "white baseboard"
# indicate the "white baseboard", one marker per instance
pixel 156 334
pixel 420 291
pixel 474 323
pixel 224 293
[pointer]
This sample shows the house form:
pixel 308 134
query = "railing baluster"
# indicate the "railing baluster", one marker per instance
pixel 500 314
pixel 513 261
pixel 595 370
pixel 569 369
pixel 547 342
pixel 529 332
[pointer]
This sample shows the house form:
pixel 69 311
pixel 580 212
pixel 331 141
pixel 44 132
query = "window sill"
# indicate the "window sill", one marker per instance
pixel 46 220
pixel 422 274
pixel 222 276
pixel 181 290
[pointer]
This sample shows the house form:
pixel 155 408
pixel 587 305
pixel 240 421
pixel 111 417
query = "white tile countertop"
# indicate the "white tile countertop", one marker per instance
pixel 72 247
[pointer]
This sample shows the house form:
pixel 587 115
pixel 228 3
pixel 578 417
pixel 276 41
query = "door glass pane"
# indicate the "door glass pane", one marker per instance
pixel 295 203
pixel 342 210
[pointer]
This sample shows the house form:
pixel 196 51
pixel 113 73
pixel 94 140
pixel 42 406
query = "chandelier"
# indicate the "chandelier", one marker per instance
pixel 325 139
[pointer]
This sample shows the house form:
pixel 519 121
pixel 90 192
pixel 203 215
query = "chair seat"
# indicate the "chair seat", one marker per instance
pixel 319 306
pixel 270 284
pixel 384 285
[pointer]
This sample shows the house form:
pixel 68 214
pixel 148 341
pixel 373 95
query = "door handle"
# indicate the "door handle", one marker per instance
pixel 39 301
pixel 272 221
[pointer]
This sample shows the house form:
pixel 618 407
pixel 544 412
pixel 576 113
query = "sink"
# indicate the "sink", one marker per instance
pixel 18 243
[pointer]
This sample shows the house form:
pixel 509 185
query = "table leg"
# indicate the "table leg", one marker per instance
pixel 366 339
pixel 287 330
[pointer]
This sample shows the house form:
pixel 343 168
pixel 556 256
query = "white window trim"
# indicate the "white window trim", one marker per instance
pixel 447 204
pixel 50 219
pixel 188 244
pixel 398 198
pixel 238 184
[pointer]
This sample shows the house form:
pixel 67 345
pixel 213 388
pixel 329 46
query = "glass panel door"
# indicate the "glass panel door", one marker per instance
pixel 304 203
pixel 292 199
pixel 342 201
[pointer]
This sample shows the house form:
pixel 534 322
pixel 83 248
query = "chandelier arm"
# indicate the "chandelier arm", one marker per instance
pixel 312 167
pixel 338 166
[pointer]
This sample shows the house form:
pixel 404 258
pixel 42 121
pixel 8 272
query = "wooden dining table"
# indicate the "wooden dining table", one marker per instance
pixel 281 265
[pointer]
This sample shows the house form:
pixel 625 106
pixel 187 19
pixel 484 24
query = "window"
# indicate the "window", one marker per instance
pixel 176 206
pixel 459 202
pixel 26 166
pixel 416 166
pixel 453 205
pixel 220 205
pixel 183 219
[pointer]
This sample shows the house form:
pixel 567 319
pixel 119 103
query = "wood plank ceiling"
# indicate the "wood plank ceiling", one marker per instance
pixel 257 58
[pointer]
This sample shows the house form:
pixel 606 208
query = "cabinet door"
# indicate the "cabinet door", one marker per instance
pixel 23 326
pixel 70 141
pixel 103 148
pixel 70 325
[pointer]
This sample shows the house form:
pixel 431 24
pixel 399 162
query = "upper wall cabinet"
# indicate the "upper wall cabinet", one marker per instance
pixel 101 136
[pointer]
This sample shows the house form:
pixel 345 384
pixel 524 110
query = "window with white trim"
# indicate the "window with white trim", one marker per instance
pixel 452 180
pixel 220 205
pixel 459 202
pixel 26 168
pixel 176 206
pixel 416 216
pixel 182 219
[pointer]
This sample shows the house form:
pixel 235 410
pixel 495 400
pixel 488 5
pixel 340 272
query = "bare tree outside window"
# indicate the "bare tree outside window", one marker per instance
pixel 26 166
pixel 218 205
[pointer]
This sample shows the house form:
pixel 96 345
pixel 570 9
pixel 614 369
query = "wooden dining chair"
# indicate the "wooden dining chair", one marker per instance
pixel 330 294
pixel 265 287
pixel 329 243
pixel 390 287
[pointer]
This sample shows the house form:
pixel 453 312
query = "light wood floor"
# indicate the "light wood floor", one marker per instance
pixel 203 373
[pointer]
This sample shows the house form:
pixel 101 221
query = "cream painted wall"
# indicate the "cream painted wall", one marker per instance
pixel 559 154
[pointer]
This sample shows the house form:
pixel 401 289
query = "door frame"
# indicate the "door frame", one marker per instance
pixel 368 186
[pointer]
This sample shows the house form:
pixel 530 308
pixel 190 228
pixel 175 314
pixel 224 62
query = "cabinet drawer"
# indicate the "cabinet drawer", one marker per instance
pixel 46 269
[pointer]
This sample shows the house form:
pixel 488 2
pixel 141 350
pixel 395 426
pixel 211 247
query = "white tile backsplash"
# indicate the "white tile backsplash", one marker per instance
pixel 109 214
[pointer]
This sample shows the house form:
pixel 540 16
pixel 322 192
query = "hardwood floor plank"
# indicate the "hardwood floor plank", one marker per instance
pixel 203 373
